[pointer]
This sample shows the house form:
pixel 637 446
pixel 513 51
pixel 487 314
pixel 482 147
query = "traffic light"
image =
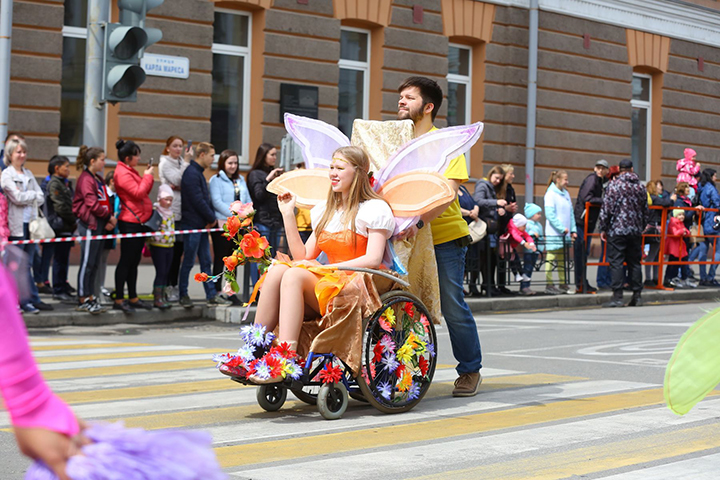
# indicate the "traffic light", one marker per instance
pixel 125 43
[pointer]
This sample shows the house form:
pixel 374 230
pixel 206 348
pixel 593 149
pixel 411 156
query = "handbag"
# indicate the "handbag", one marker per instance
pixel 478 230
pixel 40 229
pixel 153 223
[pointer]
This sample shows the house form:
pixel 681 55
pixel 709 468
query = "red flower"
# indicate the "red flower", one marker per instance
pixel 251 366
pixel 254 245
pixel 423 364
pixel 230 262
pixel 378 351
pixel 284 351
pixel 234 362
pixel 233 225
pixel 201 277
pixel 274 365
pixel 408 308
pixel 400 370
pixel 330 374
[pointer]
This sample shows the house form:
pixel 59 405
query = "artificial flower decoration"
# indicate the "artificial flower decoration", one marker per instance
pixel 405 382
pixel 201 277
pixel 423 365
pixel 414 391
pixel 405 353
pixel 377 352
pixel 408 309
pixel 389 361
pixel 251 246
pixel 389 316
pixel 387 343
pixel 330 374
pixel 242 210
pixel 385 390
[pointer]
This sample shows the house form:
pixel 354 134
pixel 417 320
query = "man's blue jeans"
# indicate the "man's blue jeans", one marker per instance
pixel 196 244
pixel 460 322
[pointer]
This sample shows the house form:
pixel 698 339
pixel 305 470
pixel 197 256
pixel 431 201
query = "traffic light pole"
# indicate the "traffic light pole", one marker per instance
pixel 94 107
pixel 6 10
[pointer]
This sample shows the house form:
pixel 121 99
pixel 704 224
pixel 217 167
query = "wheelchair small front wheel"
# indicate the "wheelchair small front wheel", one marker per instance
pixel 332 400
pixel 271 397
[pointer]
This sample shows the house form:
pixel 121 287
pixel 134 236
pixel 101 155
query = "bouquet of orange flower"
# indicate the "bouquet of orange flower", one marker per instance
pixel 250 246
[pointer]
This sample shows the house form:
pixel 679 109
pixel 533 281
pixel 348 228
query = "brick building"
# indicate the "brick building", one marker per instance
pixel 616 78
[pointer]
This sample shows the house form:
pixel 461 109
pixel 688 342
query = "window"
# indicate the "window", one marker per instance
pixel 230 82
pixel 72 85
pixel 641 98
pixel 459 85
pixel 354 77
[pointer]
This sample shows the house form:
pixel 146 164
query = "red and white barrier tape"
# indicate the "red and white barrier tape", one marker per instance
pixel 113 236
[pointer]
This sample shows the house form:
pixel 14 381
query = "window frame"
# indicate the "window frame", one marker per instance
pixel 464 79
pixel 647 105
pixel 246 53
pixel 80 33
pixel 359 66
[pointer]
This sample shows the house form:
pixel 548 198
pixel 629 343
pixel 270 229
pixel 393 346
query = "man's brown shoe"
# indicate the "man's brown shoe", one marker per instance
pixel 467 385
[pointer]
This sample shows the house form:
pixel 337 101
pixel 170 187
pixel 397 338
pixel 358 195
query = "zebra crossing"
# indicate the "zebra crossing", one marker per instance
pixel 520 425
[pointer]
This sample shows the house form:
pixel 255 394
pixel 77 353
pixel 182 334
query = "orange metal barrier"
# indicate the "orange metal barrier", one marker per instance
pixel 661 262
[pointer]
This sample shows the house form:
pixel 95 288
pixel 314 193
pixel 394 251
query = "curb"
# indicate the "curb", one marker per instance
pixel 62 318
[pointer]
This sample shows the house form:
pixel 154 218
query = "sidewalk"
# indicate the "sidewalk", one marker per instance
pixel 64 315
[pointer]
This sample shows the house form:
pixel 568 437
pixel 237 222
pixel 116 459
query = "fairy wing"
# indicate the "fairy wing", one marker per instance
pixel 414 193
pixel 310 187
pixel 694 368
pixel 431 152
pixel 317 139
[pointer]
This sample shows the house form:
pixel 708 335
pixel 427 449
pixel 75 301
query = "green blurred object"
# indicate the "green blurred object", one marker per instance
pixel 694 368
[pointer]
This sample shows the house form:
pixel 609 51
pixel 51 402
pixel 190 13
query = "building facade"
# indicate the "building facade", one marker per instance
pixel 616 78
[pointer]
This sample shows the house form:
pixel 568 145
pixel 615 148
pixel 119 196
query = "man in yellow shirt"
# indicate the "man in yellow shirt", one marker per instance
pixel 420 100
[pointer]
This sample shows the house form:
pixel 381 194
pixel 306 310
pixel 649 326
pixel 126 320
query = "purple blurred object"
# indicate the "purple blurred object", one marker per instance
pixel 136 454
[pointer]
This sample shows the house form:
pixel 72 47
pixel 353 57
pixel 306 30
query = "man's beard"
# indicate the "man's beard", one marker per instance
pixel 414 115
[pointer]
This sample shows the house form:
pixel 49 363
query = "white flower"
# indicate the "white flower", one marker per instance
pixel 246 352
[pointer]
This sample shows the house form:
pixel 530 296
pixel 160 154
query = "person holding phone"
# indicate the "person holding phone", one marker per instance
pixel 136 208
pixel 268 219
pixel 174 160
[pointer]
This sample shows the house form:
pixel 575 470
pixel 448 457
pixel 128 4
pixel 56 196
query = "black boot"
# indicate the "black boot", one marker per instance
pixel 636 300
pixel 616 301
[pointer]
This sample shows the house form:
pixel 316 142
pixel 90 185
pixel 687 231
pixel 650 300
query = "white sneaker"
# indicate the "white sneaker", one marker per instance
pixel 677 282
pixel 525 278
pixel 172 294
pixel 690 283
pixel 518 278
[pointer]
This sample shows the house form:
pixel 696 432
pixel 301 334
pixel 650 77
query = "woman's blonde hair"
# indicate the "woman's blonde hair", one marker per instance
pixel 651 187
pixel 555 176
pixel 10 147
pixel 360 191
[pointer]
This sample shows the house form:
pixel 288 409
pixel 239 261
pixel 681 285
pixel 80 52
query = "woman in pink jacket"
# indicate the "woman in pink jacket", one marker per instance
pixel 135 208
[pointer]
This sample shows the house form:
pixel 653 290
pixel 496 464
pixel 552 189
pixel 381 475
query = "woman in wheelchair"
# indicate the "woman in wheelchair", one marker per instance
pixel 351 228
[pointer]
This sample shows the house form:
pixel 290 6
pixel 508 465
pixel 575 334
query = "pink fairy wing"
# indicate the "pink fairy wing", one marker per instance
pixel 431 152
pixel 310 187
pixel 318 139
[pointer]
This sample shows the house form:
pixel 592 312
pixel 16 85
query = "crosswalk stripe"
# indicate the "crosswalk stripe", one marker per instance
pixel 122 355
pixel 50 364
pixel 469 452
pixel 240 403
pixel 132 369
pixel 398 435
pixel 701 468
pixel 83 346
pixel 589 460
pixel 125 349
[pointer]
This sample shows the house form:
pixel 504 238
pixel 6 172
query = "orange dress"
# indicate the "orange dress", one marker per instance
pixel 345 298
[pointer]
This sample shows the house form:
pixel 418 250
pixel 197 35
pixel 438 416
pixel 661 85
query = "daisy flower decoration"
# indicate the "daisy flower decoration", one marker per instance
pixel 389 362
pixel 385 389
pixel 247 352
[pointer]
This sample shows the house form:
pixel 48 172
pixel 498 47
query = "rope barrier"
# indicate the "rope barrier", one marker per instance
pixel 80 238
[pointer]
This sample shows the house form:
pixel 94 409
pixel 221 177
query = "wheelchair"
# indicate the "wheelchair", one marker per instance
pixel 390 382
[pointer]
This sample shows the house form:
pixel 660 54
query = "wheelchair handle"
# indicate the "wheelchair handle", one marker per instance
pixel 376 272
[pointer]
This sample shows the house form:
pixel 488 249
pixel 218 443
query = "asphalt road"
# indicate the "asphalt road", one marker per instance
pixel 566 394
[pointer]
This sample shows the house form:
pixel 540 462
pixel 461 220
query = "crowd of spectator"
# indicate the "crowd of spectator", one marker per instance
pixel 619 224
pixel 120 202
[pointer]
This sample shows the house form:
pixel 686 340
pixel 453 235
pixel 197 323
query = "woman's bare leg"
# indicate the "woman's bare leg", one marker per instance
pixel 268 309
pixel 297 292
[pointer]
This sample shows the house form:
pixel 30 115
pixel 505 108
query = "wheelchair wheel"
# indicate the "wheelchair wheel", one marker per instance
pixel 332 400
pixel 271 397
pixel 399 353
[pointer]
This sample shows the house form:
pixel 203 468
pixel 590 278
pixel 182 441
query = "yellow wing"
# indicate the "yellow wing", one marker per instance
pixel 310 186
pixel 413 193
